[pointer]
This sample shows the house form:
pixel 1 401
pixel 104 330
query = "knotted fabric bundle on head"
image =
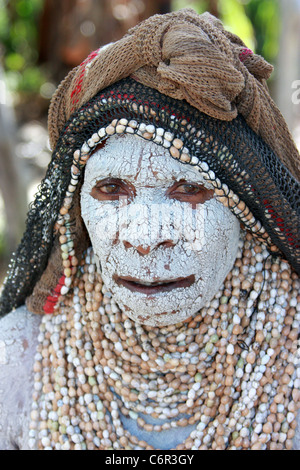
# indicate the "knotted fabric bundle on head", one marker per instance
pixel 182 74
pixel 187 57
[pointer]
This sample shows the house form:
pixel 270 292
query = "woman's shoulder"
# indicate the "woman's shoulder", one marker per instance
pixel 18 340
pixel 18 320
pixel 18 335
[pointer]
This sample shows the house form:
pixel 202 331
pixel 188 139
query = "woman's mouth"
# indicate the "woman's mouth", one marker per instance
pixel 155 287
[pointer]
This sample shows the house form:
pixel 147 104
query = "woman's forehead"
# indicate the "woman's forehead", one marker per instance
pixel 132 158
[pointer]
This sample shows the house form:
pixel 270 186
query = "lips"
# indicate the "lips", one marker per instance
pixel 155 287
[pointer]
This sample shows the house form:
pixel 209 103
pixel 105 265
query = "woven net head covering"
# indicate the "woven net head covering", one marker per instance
pixel 183 74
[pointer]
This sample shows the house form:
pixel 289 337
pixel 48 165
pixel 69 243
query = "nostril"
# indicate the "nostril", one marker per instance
pixel 145 249
pixel 127 244
pixel 166 244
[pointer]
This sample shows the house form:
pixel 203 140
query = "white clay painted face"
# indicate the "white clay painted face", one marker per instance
pixel 163 244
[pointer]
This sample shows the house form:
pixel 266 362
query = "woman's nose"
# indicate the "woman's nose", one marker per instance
pixel 145 228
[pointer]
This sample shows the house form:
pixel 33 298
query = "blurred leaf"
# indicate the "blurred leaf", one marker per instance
pixel 4 22
pixel 25 8
pixel 32 80
pixel 14 61
pixel 264 15
pixel 19 21
pixel 200 6
pixel 235 19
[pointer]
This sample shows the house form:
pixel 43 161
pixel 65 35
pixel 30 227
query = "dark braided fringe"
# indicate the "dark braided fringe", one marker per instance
pixel 236 155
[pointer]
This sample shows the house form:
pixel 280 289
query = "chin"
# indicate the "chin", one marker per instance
pixel 159 319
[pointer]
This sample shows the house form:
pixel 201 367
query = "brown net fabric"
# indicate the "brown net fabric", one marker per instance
pixel 233 153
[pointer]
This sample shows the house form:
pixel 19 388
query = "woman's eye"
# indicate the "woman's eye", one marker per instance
pixel 108 190
pixel 193 193
pixel 188 189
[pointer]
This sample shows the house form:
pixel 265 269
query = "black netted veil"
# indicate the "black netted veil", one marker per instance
pixel 233 153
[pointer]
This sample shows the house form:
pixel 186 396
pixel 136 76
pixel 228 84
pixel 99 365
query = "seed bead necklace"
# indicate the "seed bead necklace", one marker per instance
pixel 230 371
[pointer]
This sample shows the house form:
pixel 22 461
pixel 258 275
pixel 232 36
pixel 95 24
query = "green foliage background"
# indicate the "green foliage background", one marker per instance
pixel 19 44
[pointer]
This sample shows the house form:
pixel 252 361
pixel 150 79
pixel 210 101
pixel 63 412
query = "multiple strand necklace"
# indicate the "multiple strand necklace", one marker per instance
pixel 230 372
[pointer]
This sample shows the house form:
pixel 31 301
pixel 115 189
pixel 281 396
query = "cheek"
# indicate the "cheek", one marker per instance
pixel 215 238
pixel 101 223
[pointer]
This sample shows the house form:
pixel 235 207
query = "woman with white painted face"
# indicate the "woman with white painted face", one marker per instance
pixel 161 255
pixel 161 241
